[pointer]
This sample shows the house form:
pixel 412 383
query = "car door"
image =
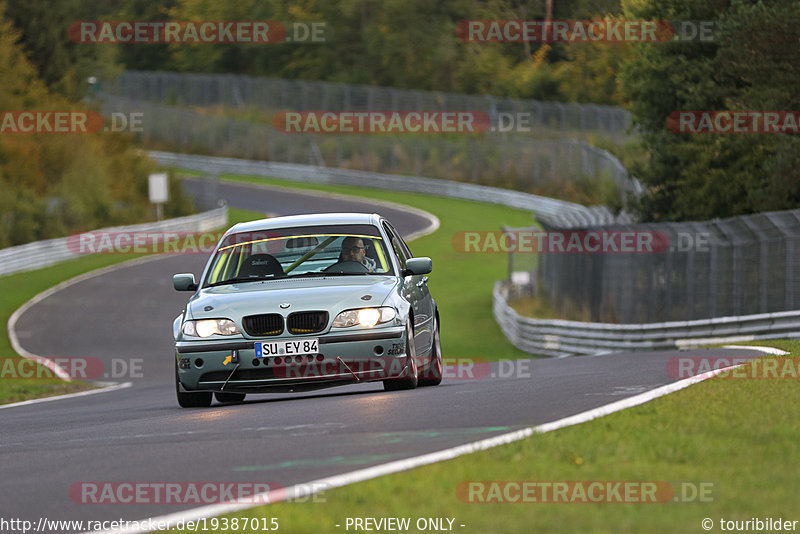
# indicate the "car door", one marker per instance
pixel 415 289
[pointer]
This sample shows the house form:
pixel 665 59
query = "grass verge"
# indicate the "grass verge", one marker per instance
pixel 738 437
pixel 17 289
pixel 537 307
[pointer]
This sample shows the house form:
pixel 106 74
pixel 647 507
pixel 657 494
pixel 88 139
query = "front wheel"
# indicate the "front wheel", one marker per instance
pixel 411 380
pixel 432 376
pixel 200 399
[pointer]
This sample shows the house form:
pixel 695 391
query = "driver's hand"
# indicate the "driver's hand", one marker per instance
pixel 369 263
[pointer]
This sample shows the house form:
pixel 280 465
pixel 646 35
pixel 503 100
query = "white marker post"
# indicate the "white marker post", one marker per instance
pixel 159 192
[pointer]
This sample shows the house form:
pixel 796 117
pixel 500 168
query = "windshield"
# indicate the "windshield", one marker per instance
pixel 334 250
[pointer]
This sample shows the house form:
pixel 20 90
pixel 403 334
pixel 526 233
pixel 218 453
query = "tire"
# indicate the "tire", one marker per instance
pixel 222 396
pixel 406 382
pixel 200 399
pixel 432 376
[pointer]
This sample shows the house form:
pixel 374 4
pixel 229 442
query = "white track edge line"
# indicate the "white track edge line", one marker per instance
pixel 105 389
pixel 361 475
pixel 12 321
pixel 766 350
pixel 433 220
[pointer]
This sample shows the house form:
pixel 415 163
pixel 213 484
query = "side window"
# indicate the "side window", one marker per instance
pixel 403 244
pixel 397 244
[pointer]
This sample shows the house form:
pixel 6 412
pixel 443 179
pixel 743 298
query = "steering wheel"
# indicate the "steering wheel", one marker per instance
pixel 346 267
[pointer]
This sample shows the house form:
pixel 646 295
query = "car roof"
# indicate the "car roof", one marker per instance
pixel 312 219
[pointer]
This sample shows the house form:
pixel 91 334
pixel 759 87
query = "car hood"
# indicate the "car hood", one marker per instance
pixel 333 294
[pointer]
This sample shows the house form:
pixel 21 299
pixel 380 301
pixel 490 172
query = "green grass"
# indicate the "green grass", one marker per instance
pixel 19 288
pixel 741 436
pixel 538 307
pixel 460 282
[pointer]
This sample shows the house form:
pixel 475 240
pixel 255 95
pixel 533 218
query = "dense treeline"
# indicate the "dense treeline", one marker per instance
pixel 395 43
pixel 753 63
pixel 55 184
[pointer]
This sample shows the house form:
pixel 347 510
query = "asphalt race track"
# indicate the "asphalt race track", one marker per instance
pixel 139 434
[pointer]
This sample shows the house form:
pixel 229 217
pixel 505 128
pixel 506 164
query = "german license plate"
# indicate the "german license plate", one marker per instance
pixel 290 347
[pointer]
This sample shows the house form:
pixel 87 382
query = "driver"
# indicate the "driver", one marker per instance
pixel 353 249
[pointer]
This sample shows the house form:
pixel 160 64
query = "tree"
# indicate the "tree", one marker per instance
pixel 59 183
pixel 751 65
pixel 62 64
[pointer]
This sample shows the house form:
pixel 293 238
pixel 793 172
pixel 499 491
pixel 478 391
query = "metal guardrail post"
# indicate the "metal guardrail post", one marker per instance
pixel 504 229
pixel 690 284
pixel 713 275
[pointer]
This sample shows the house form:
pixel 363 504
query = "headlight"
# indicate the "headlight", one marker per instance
pixel 364 317
pixel 209 327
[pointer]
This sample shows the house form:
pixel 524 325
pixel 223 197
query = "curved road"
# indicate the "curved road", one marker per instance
pixel 139 434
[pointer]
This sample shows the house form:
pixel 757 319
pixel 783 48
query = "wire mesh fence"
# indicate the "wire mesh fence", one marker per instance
pixel 729 267
pixel 514 162
pixel 272 94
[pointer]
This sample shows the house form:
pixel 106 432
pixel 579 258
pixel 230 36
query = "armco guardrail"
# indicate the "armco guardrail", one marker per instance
pixel 543 206
pixel 43 253
pixel 555 337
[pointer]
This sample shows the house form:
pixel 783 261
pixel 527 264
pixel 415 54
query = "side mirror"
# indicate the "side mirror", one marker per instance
pixel 417 266
pixel 184 282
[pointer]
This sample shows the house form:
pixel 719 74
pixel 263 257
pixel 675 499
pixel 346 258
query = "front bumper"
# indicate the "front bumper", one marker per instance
pixel 343 358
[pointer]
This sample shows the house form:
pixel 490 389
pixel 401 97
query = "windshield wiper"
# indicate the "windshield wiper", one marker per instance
pixel 317 274
pixel 239 279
